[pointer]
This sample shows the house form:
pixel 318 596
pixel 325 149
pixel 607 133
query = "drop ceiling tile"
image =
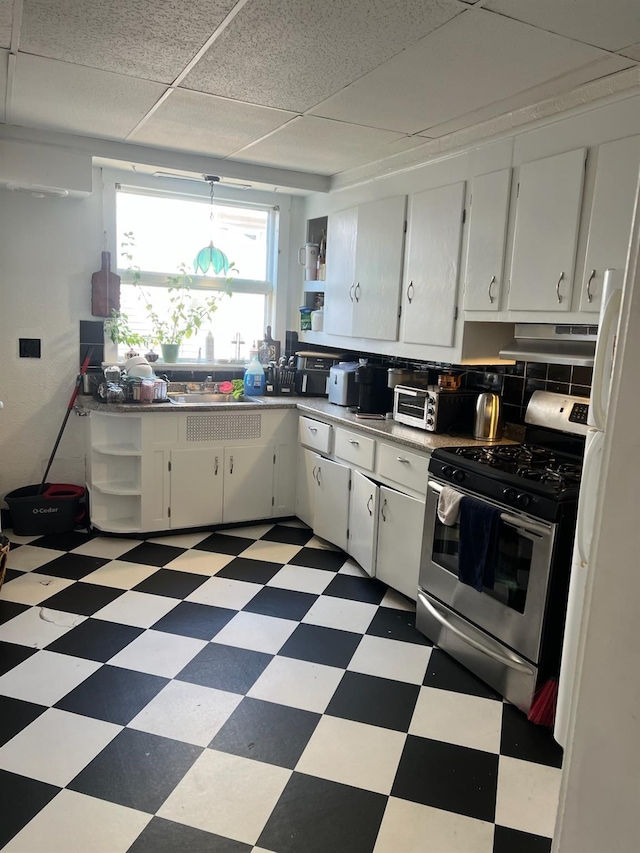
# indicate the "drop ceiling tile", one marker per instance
pixel 633 51
pixel 192 121
pixel 143 38
pixel 312 144
pixel 293 53
pixel 472 61
pixel 74 99
pixel 611 25
pixel 4 61
pixel 6 19
pixel 404 143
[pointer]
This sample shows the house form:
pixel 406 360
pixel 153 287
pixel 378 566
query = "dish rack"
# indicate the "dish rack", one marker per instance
pixel 280 380
pixel 145 390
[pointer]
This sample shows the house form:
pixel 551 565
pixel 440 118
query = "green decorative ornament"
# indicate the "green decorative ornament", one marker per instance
pixel 211 258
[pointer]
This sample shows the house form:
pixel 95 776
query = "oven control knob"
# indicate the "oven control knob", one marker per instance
pixel 430 408
pixel 447 471
pixel 509 494
pixel 430 421
pixel 459 476
pixel 524 499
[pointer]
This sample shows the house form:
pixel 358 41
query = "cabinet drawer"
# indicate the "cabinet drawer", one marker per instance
pixel 407 469
pixel 315 434
pixel 355 448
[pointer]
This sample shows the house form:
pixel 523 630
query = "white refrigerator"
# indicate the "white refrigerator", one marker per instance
pixel 589 490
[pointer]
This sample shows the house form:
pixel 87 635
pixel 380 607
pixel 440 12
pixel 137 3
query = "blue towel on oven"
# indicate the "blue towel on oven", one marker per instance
pixel 478 543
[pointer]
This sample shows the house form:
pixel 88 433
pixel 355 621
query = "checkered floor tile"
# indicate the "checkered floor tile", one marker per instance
pixel 246 690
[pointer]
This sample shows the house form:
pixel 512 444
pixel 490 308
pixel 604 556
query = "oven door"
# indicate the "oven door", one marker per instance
pixel 410 406
pixel 513 610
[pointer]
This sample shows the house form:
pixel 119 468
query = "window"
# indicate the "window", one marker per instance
pixel 169 231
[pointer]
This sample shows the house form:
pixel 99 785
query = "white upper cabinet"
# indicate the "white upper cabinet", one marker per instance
pixel 488 216
pixel 433 261
pixel 546 232
pixel 611 216
pixel 341 271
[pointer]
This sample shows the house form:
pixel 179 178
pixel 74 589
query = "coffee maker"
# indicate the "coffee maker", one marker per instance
pixel 374 395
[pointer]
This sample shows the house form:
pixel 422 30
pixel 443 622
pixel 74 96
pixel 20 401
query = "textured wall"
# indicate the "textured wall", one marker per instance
pixel 48 250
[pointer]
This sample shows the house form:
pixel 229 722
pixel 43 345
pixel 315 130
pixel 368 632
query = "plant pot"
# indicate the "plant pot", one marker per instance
pixel 170 353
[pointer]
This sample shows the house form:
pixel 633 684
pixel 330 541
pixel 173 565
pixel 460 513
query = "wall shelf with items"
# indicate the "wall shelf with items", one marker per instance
pixel 317 233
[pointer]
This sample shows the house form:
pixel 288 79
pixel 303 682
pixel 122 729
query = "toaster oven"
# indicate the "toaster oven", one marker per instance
pixel 434 409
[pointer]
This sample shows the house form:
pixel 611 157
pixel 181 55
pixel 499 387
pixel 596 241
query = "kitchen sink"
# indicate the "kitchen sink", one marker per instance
pixel 191 397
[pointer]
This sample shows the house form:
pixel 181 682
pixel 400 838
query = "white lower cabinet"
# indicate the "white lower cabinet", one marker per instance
pixel 401 521
pixel 306 485
pixel 363 521
pixel 331 503
pixel 196 487
pixel 248 482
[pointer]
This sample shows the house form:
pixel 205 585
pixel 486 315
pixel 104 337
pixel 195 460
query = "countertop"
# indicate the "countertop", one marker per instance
pixel 313 406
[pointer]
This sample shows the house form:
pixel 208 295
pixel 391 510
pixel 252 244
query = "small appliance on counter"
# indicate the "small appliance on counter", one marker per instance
pixel 374 395
pixel 343 390
pixel 312 372
pixel 434 409
pixel 488 424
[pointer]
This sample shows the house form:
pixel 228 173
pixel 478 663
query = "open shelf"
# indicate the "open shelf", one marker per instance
pixel 118 525
pixel 118 449
pixel 115 488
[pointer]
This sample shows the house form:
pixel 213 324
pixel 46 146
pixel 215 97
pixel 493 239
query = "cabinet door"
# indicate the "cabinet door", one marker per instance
pixel 379 250
pixel 363 521
pixel 306 485
pixel 248 482
pixel 433 261
pixel 611 216
pixel 488 215
pixel 401 520
pixel 546 233
pixel 340 276
pixel 331 508
pixel 196 487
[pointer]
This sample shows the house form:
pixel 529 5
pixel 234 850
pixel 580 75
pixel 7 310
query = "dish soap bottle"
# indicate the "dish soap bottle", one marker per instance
pixel 208 347
pixel 254 378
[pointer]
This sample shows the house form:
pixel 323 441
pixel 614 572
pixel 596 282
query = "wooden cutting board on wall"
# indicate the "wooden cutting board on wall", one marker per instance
pixel 105 289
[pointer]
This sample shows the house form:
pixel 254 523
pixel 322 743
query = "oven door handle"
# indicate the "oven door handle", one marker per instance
pixel 514 661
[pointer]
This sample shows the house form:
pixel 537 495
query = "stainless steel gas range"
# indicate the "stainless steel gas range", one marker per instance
pixel 506 625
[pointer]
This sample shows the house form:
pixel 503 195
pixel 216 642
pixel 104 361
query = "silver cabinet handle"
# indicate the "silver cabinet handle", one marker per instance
pixel 356 292
pixel 215 472
pixel 402 459
pixel 313 473
pixel 384 517
pixel 410 292
pixel 558 288
pixel 591 278
pixel 318 472
pixel 351 292
pixel 231 465
pixel 314 430
pixel 353 441
pixel 369 502
pixel 491 283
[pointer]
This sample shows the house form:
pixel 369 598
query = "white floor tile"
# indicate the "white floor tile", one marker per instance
pixel 317 542
pixel 527 796
pixel 256 632
pixel 182 540
pixel 273 552
pixel 137 608
pixel 391 659
pixel 75 823
pixel 341 613
pixel 353 569
pixel 32 588
pixel 38 626
pixel 396 600
pixel 458 718
pixel 412 828
pixel 29 557
pixel 46 677
pixel 56 746
pixel 187 712
pixel 228 795
pixel 297 683
pixel 19 540
pixel 106 547
pixel 224 592
pixel 353 754
pixel 301 579
pixel 200 562
pixel 120 574
pixel 158 653
pixel 253 531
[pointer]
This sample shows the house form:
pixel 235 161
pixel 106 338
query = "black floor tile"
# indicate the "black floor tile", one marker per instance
pixel 395 624
pixel 12 654
pixel 226 668
pixel 10 575
pixel 95 640
pixel 376 701
pixel 283 603
pixel 319 558
pixel 171 583
pixel 136 769
pixel 447 776
pixel 113 694
pixel 21 800
pixel 321 645
pixel 288 535
pixel 507 840
pixel 200 621
pixel 152 554
pixel 522 739
pixel 165 836
pixel 254 571
pixel 16 715
pixel 445 673
pixel 64 541
pixel 83 598
pixel 222 544
pixel 356 589
pixel 316 816
pixel 72 566
pixel 264 731
pixel 9 609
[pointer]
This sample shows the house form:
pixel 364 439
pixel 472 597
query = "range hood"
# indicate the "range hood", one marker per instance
pixel 555 344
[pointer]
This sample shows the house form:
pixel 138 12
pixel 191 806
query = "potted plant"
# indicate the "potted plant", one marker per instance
pixel 118 328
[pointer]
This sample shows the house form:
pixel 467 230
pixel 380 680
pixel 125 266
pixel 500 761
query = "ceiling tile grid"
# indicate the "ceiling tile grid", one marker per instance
pixel 152 39
pixel 292 54
pixel 633 51
pixel 6 20
pixel 192 121
pixel 476 59
pixel 73 99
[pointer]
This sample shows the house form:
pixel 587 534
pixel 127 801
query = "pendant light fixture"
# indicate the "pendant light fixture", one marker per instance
pixel 211 257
